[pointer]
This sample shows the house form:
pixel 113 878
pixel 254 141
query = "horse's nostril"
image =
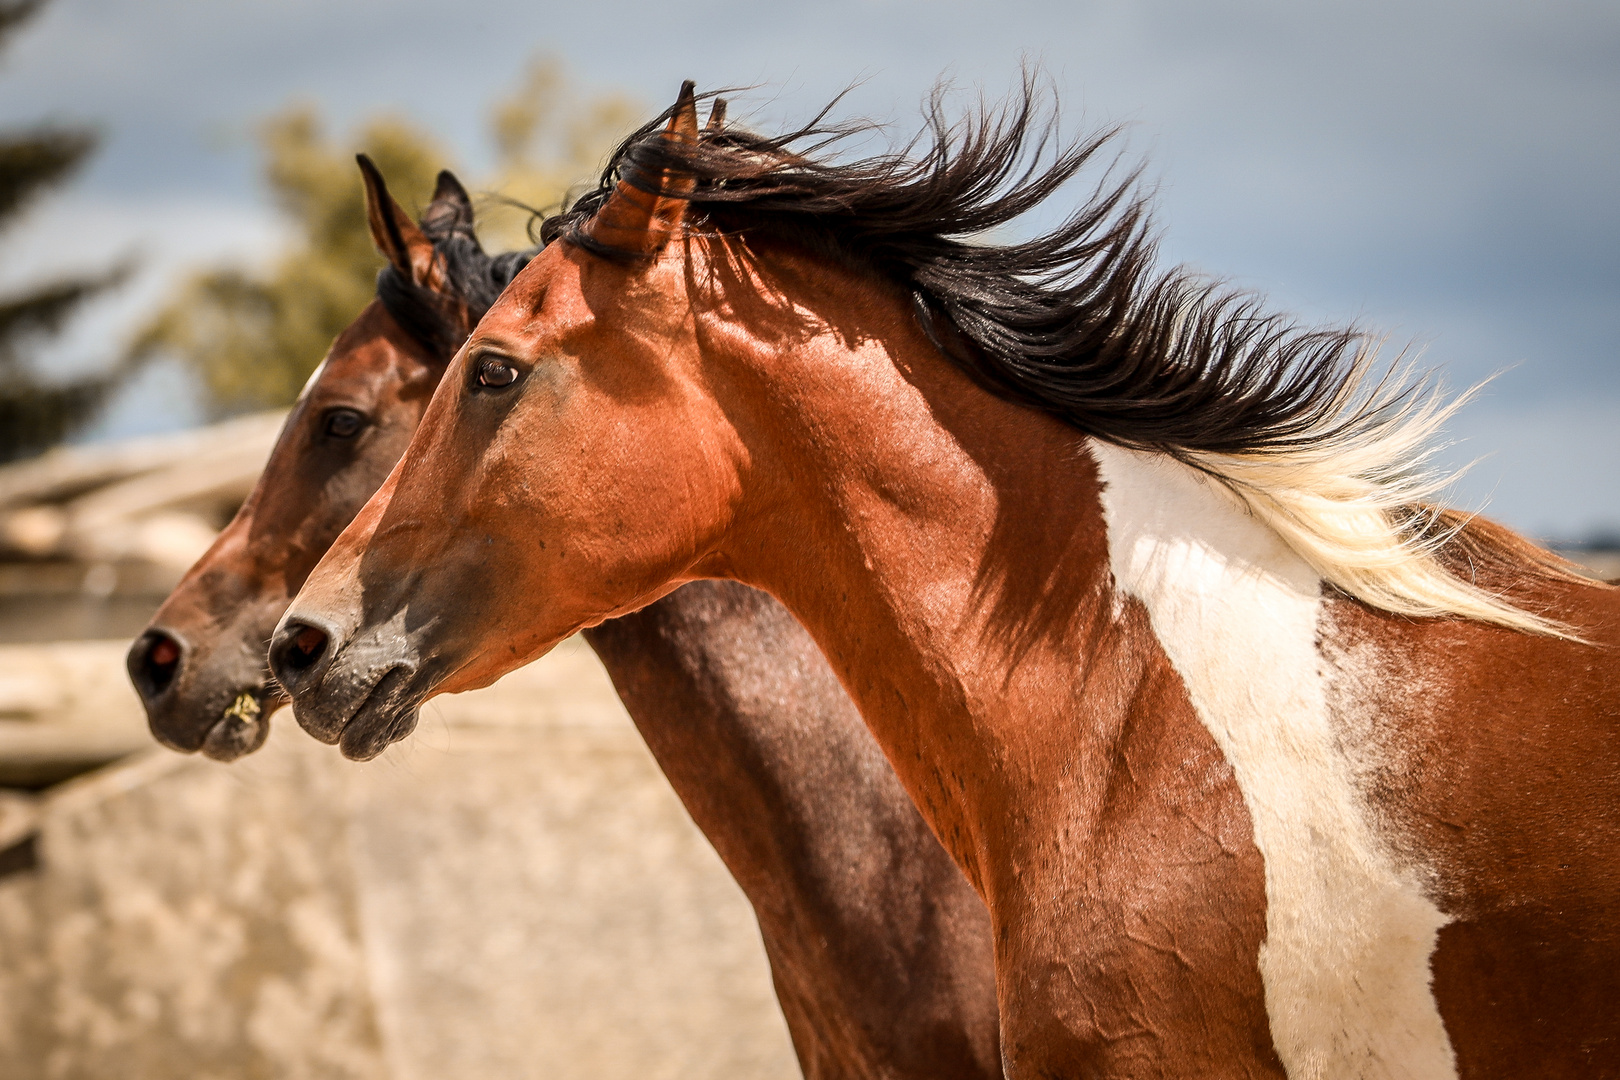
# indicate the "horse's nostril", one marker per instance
pixel 307 647
pixel 164 653
pixel 298 657
pixel 156 664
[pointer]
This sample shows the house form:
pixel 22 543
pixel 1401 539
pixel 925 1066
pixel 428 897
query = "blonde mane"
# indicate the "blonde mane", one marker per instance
pixel 1361 507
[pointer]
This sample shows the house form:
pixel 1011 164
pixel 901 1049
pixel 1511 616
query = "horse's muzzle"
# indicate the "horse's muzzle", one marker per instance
pixel 361 693
pixel 218 702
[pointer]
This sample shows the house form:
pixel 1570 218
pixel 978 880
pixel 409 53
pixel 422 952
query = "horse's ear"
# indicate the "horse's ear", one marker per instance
pixel 451 211
pixel 717 116
pixel 392 230
pixel 642 221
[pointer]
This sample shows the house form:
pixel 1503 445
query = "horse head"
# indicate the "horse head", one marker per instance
pixel 627 454
pixel 199 665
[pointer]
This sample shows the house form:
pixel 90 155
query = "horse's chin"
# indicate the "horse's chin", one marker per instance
pixel 242 721
pixel 232 738
pixel 365 737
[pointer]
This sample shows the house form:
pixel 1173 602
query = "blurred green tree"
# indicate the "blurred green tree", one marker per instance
pixel 36 411
pixel 548 143
pixel 254 338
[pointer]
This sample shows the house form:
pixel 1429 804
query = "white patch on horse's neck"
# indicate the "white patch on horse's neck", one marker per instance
pixel 1348 935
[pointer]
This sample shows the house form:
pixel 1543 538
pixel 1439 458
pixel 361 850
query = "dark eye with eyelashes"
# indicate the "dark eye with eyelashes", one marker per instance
pixel 496 373
pixel 343 423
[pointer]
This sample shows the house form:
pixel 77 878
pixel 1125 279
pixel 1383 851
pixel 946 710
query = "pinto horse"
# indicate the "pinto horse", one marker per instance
pixel 879 949
pixel 1263 765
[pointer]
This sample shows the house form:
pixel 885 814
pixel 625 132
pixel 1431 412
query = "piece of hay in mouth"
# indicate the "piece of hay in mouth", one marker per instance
pixel 245 708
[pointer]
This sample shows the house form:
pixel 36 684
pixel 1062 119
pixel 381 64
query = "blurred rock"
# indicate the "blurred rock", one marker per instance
pixel 93 537
pixel 170 538
pixel 65 708
pixel 66 472
pixel 34 531
pixel 514 892
pixel 25 691
pixel 152 498
pixel 19 818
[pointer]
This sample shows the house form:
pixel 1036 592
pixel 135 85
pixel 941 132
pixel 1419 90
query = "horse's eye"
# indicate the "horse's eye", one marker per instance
pixel 344 423
pixel 496 373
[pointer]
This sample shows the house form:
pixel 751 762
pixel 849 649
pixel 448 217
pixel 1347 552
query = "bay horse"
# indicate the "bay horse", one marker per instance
pixel 879 949
pixel 1263 764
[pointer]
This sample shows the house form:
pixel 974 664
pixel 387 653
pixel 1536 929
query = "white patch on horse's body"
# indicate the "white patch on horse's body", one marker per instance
pixel 1349 934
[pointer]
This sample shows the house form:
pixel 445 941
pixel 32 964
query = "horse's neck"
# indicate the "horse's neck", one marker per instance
pixel 945 548
pixel 972 568
pixel 1019 620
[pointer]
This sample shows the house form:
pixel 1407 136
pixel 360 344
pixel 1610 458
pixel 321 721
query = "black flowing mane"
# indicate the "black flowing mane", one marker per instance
pixel 472 276
pixel 1081 322
pixel 1078 322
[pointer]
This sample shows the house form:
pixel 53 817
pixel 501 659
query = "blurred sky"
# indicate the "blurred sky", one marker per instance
pixel 1447 171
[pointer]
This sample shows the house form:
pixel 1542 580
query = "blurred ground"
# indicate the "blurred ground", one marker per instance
pixel 515 893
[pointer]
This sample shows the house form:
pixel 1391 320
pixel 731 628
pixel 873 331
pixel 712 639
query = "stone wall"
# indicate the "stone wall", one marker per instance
pixel 513 892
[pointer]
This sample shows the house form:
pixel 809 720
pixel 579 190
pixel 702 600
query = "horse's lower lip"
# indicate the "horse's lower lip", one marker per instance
pixel 244 726
pixel 387 715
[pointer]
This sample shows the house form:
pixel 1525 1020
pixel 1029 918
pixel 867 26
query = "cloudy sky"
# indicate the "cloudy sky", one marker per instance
pixel 1446 171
